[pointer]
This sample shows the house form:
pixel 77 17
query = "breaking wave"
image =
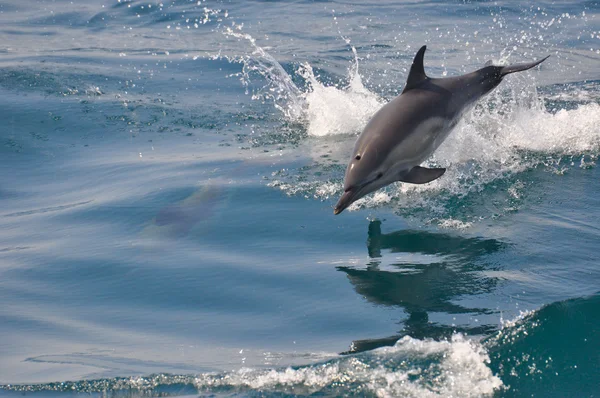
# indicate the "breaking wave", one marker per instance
pixel 411 368
pixel 511 361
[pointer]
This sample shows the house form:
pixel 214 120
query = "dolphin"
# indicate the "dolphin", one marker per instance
pixel 408 129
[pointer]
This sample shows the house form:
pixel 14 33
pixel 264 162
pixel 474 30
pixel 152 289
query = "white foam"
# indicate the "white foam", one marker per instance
pixel 488 145
pixel 451 223
pixel 411 368
pixel 334 110
pixel 462 372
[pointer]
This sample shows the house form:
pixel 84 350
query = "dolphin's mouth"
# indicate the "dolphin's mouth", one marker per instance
pixel 351 195
pixel 343 202
pixel 347 198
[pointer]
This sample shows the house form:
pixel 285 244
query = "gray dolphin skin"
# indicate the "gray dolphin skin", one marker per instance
pixel 407 130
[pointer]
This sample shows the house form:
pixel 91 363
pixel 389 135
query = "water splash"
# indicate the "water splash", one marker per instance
pixel 324 110
pixel 278 87
pixel 338 110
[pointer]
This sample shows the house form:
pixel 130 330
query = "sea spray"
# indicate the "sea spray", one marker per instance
pixel 278 85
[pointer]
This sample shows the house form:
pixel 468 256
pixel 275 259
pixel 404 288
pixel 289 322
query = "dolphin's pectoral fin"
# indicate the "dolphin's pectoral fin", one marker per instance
pixel 422 175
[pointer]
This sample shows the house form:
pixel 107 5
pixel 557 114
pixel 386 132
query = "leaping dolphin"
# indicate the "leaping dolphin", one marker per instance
pixel 407 130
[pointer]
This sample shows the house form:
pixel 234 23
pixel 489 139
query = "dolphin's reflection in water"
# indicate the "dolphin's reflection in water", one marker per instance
pixel 434 270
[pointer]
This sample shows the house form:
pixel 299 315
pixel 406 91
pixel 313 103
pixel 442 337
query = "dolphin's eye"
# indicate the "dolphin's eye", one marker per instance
pixel 357 157
pixel 379 175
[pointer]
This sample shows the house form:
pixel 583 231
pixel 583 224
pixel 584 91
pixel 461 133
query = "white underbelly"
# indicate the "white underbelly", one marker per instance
pixel 421 144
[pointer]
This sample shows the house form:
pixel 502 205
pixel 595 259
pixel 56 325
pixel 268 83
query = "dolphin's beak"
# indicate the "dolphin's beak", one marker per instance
pixel 345 200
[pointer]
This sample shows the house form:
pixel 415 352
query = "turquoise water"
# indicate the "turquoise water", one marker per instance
pixel 168 176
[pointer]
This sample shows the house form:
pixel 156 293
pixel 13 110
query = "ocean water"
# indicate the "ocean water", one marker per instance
pixel 168 172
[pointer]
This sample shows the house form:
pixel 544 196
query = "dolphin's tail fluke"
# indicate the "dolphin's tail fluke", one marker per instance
pixel 520 67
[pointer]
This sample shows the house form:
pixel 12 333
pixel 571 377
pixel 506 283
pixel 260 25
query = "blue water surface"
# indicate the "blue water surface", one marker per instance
pixel 168 172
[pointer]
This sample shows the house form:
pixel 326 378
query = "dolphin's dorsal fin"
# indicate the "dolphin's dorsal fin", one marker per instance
pixel 417 71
